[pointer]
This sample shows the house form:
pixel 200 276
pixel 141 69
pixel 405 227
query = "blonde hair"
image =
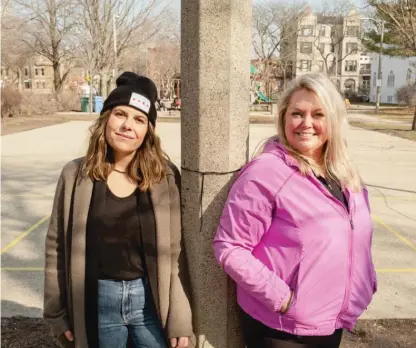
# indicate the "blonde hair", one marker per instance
pixel 336 160
pixel 147 167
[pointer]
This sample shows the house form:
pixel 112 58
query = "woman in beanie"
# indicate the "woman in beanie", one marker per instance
pixel 115 267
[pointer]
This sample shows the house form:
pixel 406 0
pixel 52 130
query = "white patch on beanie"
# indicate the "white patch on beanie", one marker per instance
pixel 140 102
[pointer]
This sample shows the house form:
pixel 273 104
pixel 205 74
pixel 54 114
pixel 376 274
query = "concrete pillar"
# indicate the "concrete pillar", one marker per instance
pixel 216 41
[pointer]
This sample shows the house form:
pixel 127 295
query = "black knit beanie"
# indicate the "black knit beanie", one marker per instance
pixel 135 91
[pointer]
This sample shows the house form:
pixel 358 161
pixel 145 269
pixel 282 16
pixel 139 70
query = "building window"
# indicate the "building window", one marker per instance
pixel 332 48
pixel 366 82
pixel 36 72
pixel 390 99
pixel 321 66
pixel 333 31
pixel 390 79
pixel 26 72
pixel 322 31
pixel 306 30
pixel 365 69
pixel 352 31
pixel 305 65
pixel 322 48
pixel 349 85
pixel 352 48
pixel 43 85
pixel 37 85
pixel 306 47
pixel 350 65
pixel 27 85
pixel 42 71
pixel 409 76
pixel 6 72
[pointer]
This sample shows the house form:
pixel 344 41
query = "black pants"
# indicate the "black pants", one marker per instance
pixel 258 335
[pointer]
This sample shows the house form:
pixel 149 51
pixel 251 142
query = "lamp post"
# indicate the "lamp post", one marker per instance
pixel 380 54
pixel 115 70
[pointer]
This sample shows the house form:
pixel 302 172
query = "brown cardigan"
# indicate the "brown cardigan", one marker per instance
pixel 64 296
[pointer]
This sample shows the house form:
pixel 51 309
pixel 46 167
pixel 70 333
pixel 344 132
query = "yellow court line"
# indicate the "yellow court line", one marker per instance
pixel 22 269
pixel 399 198
pixel 392 230
pixel 23 235
pixel 396 270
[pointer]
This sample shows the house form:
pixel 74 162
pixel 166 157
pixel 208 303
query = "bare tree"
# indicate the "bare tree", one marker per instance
pixel 50 24
pixel 164 66
pixel 14 53
pixel 274 26
pixel 399 39
pixel 400 24
pixel 334 18
pixel 135 23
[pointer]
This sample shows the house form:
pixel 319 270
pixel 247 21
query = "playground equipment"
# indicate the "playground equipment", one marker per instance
pixel 258 97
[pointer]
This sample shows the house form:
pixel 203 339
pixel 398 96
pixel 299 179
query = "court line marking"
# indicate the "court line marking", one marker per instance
pixel 24 235
pixel 398 198
pixel 392 230
pixel 396 270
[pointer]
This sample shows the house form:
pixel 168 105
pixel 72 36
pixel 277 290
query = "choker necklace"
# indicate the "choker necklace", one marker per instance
pixel 119 171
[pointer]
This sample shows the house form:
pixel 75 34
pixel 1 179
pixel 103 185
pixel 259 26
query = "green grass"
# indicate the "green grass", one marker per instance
pixel 398 130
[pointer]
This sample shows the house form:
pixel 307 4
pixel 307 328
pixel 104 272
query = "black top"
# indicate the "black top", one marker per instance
pixel 119 238
pixel 146 235
pixel 335 189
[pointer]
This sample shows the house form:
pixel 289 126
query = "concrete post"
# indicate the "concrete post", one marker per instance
pixel 216 41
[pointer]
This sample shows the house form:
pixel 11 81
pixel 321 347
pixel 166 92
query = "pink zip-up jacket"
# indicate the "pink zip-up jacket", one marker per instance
pixel 281 231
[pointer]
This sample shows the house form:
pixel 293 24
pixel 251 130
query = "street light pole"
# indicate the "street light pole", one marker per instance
pixel 380 54
pixel 115 49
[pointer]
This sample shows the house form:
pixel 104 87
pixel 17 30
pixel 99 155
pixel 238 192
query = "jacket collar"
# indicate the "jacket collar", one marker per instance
pixel 275 147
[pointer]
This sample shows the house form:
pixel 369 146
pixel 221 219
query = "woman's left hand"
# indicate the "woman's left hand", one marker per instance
pixel 181 342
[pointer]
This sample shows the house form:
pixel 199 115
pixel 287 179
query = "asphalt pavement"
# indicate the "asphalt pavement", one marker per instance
pixel 32 161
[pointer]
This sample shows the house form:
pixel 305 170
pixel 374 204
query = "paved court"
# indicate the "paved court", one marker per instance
pixel 32 160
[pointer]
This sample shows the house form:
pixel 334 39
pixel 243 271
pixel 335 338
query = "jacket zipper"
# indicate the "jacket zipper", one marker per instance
pixel 350 246
pixel 348 286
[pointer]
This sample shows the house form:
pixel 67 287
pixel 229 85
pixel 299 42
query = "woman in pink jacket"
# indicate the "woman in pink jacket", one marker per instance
pixel 295 234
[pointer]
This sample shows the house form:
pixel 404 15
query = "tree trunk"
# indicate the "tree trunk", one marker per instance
pixel 57 82
pixel 414 120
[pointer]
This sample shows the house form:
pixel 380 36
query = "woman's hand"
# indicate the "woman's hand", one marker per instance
pixel 69 336
pixel 286 305
pixel 181 342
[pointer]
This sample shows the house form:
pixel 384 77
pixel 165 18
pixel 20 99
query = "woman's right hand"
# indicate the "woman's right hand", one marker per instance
pixel 69 336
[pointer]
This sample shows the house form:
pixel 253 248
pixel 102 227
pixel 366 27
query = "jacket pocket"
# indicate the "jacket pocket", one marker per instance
pixel 294 289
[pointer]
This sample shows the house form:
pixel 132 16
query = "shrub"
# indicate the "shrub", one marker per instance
pixel 69 101
pixel 38 104
pixel 11 100
pixel 406 95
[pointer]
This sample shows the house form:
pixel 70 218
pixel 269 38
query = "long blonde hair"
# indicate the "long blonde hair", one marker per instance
pixel 147 167
pixel 336 160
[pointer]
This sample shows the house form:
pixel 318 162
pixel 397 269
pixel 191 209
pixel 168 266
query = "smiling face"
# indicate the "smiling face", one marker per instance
pixel 306 124
pixel 126 129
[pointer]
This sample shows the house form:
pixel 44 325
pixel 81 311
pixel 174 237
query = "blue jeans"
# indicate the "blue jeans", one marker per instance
pixel 123 307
